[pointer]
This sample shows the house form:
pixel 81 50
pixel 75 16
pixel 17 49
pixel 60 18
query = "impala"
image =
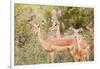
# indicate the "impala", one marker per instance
pixel 91 32
pixel 54 45
pixel 91 41
pixel 83 46
pixel 79 52
pixel 55 29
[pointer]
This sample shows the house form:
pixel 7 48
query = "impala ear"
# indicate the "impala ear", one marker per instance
pixel 81 29
pixel 33 26
pixel 42 21
pixel 88 28
pixel 71 28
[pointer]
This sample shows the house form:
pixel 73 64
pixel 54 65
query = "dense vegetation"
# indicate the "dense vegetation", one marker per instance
pixel 27 49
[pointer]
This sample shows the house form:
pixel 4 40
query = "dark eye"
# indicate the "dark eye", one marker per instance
pixel 38 26
pixel 42 20
pixel 80 31
pixel 56 24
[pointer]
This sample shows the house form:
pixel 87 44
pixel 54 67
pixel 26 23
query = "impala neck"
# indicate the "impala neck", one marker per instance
pixel 39 33
pixel 58 31
pixel 41 39
pixel 40 36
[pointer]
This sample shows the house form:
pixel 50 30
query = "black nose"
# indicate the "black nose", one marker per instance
pixel 75 37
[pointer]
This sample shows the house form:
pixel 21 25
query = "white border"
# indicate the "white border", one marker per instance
pixel 45 2
pixel 12 34
pixel 76 3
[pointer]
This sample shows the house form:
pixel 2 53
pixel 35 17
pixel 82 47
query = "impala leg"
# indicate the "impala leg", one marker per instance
pixel 75 59
pixel 52 57
pixel 48 59
pixel 65 53
pixel 74 54
pixel 65 56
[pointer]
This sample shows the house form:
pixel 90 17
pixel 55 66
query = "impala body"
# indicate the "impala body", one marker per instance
pixel 81 50
pixel 54 45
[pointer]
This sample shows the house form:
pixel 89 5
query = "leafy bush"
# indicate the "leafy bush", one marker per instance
pixel 27 49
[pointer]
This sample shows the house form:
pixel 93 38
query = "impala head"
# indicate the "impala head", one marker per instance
pixel 77 33
pixel 54 27
pixel 90 30
pixel 35 28
pixel 35 24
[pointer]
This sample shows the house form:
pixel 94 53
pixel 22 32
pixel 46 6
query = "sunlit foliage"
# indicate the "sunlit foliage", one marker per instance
pixel 27 49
